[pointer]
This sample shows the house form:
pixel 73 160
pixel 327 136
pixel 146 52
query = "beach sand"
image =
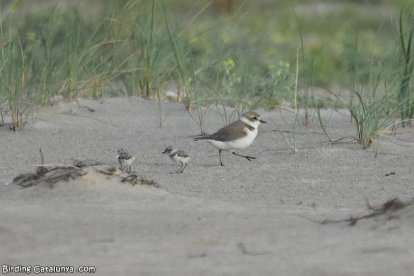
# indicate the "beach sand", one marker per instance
pixel 246 218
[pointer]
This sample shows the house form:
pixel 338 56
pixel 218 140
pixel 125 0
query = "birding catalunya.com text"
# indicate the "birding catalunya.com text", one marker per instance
pixel 40 269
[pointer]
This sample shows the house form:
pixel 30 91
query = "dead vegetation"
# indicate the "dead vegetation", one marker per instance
pixel 387 209
pixel 51 174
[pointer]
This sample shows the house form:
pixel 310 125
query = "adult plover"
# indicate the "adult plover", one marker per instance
pixel 235 136
pixel 125 160
pixel 178 156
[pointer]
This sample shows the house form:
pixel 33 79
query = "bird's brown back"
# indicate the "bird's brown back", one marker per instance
pixel 227 133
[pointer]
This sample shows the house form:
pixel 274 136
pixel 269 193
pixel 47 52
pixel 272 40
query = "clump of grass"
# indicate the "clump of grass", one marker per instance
pixel 183 59
pixel 371 111
pixel 219 60
pixel 16 83
pixel 407 105
pixel 55 53
pixel 145 37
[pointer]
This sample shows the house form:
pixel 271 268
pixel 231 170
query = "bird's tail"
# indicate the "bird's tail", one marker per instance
pixel 201 137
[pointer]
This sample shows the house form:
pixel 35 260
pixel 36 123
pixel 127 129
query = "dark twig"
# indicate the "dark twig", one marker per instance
pixel 42 160
pixel 388 207
pixel 243 248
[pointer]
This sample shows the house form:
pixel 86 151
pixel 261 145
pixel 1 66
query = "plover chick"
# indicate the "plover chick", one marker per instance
pixel 177 156
pixel 235 136
pixel 125 160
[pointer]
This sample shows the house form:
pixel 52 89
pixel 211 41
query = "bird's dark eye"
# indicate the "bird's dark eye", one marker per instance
pixel 255 118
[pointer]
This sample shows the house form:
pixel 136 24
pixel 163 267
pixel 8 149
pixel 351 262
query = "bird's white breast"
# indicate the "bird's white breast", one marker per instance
pixel 240 143
pixel 129 161
pixel 179 159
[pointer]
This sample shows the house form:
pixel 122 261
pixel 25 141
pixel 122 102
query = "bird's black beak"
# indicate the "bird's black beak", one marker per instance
pixel 263 122
pixel 163 152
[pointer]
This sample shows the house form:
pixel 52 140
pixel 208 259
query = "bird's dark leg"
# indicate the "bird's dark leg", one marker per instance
pixel 244 156
pixel 181 170
pixel 221 163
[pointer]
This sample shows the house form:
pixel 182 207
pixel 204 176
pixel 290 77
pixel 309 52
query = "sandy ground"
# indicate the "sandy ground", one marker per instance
pixel 247 218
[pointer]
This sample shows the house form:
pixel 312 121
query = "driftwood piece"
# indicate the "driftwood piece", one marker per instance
pixel 135 179
pixel 86 163
pixel 107 169
pixel 50 174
